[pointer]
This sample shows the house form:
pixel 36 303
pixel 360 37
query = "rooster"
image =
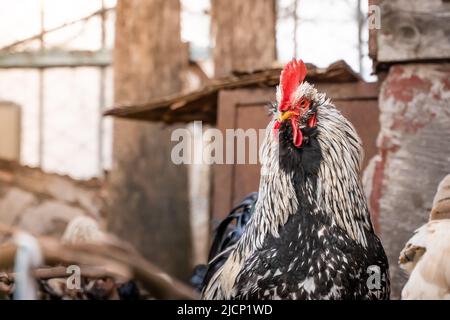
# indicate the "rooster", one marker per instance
pixel 309 235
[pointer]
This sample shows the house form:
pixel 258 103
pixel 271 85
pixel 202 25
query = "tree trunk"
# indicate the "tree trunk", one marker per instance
pixel 148 194
pixel 244 33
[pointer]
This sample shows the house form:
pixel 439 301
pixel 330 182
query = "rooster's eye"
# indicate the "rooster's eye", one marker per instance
pixel 304 103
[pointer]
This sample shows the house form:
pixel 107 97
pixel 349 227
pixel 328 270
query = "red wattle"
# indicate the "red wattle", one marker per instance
pixel 312 121
pixel 298 138
pixel 276 127
pixel 296 133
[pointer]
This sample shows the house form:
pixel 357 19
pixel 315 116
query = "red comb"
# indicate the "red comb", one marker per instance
pixel 292 75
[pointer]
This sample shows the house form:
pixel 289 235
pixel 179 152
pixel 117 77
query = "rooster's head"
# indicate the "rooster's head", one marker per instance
pixel 296 110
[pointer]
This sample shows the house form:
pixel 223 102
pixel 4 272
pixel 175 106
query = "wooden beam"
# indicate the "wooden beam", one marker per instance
pixel 55 59
pixel 144 182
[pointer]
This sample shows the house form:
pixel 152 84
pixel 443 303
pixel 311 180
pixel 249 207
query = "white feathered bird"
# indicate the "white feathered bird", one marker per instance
pixel 426 256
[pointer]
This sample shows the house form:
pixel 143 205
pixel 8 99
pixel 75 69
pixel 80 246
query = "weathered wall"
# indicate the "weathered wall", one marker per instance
pixel 413 30
pixel 414 155
pixel 148 203
pixel 44 203
pixel 244 35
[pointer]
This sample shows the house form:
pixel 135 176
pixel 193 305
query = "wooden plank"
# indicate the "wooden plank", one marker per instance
pixel 10 131
pixel 56 59
pixel 414 30
pixel 245 108
pixel 223 174
pixel 247 176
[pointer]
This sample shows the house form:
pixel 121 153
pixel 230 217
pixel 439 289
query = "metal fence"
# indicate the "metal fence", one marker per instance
pixel 55 63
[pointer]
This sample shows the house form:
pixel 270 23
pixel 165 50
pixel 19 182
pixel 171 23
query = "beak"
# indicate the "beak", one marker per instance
pixel 286 115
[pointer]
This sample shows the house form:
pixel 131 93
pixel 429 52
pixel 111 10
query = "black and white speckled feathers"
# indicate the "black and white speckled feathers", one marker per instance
pixel 313 259
pixel 310 236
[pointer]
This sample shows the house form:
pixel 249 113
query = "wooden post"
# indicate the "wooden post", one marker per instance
pixel 148 201
pixel 244 33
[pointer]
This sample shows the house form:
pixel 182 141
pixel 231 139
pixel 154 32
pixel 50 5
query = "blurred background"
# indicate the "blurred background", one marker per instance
pixel 158 65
